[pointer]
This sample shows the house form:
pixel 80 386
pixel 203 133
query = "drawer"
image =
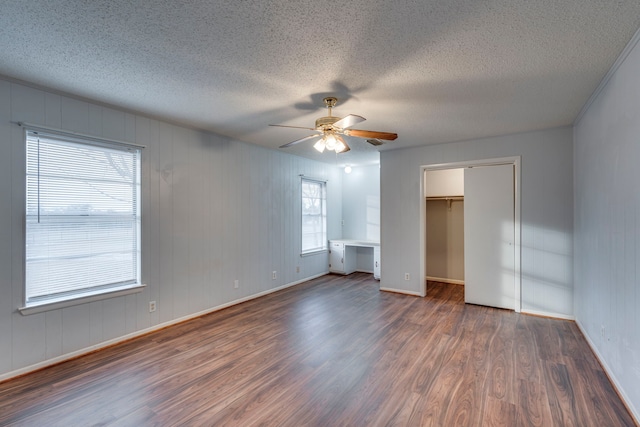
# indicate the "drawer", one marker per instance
pixel 336 245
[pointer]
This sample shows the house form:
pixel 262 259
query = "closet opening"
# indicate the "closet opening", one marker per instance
pixel 470 229
pixel 444 224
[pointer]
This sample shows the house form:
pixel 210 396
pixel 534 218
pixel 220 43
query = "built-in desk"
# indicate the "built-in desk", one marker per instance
pixel 343 256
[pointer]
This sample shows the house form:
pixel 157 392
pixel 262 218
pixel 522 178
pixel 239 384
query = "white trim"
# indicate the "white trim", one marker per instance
pixel 314 252
pixel 517 232
pixel 607 77
pixel 616 384
pixel 401 291
pixel 310 178
pixel 104 344
pixel 445 280
pixel 548 314
pixel 422 230
pixel 516 161
pixel 467 163
pixel 91 138
pixel 87 297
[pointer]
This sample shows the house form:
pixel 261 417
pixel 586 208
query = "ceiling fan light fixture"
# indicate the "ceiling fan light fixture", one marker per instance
pixel 331 142
pixel 339 147
pixel 320 145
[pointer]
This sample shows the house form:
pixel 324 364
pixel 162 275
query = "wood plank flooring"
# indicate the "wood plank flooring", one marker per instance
pixel 334 351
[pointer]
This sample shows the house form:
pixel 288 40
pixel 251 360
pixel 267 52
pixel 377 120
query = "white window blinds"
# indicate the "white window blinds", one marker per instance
pixel 82 217
pixel 314 215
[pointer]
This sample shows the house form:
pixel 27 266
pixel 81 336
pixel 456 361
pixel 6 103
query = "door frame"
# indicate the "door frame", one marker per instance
pixel 515 161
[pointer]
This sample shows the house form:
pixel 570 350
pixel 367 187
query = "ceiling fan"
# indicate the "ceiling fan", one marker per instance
pixel 329 129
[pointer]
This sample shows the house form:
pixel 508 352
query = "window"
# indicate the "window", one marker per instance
pixel 314 216
pixel 82 218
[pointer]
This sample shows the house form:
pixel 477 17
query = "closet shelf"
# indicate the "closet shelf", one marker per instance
pixel 446 198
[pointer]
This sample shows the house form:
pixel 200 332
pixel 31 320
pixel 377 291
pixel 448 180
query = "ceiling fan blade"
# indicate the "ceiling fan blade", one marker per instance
pixel 371 134
pixel 297 141
pixel 348 121
pixel 294 127
pixel 375 142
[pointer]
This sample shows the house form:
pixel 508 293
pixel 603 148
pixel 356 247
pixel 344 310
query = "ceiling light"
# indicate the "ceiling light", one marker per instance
pixel 339 147
pixel 331 142
pixel 347 169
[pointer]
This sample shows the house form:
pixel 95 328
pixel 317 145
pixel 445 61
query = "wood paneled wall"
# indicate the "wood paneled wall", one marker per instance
pixel 607 224
pixel 214 210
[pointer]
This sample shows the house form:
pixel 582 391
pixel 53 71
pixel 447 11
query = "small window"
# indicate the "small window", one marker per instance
pixel 82 218
pixel 314 216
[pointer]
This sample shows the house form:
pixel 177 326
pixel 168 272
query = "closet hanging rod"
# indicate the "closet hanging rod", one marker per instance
pixel 446 198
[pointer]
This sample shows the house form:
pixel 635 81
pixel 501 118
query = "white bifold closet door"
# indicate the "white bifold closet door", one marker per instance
pixel 489 236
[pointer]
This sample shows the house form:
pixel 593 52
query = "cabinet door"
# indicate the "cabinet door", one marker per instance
pixel 336 257
pixel 376 263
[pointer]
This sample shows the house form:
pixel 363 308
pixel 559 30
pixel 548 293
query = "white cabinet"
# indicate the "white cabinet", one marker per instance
pixel 376 262
pixel 336 257
pixel 343 256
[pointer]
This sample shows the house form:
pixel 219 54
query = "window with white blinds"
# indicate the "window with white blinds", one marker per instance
pixel 314 215
pixel 82 217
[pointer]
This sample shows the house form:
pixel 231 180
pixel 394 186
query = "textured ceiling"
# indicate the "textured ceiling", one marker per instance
pixel 432 71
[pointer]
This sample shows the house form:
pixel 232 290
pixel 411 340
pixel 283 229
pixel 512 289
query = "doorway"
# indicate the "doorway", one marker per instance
pixel 444 198
pixel 492 237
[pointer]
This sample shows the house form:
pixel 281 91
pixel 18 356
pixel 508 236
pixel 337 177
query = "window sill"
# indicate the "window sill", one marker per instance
pixel 80 299
pixel 310 253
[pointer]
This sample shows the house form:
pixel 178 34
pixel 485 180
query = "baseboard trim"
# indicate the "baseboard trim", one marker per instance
pixel 445 280
pixel 616 385
pixel 78 353
pixel 401 291
pixel 351 272
pixel 548 314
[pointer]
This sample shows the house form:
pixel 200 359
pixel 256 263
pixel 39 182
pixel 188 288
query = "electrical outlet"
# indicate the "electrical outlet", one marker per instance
pixel 273 275
pixel 297 269
pixel 602 332
pixel 152 306
pixel 236 284
pixel 406 276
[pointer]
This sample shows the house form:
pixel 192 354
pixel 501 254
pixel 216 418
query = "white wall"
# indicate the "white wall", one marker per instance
pixel 607 226
pixel 214 210
pixel 546 212
pixel 361 203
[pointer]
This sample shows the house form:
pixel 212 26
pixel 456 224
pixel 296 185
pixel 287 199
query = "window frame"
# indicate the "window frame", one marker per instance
pixel 94 293
pixel 323 216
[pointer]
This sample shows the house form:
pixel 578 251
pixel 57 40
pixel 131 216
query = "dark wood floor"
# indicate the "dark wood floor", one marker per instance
pixel 332 352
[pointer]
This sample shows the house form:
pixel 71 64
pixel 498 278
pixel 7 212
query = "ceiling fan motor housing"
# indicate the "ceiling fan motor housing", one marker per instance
pixel 326 123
